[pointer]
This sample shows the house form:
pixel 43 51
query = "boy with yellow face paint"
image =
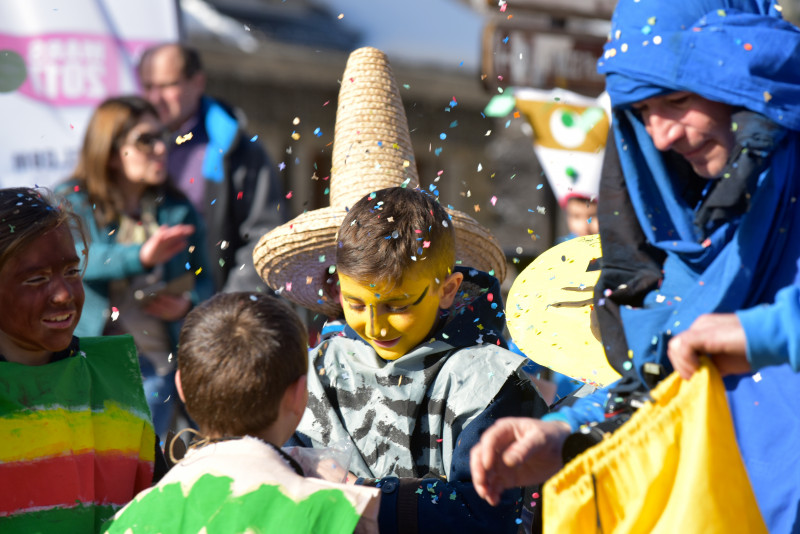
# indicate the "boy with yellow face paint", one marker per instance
pixel 421 370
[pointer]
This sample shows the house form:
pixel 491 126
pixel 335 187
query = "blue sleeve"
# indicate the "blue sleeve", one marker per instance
pixel 107 259
pixel 588 409
pixel 773 337
pixel 435 505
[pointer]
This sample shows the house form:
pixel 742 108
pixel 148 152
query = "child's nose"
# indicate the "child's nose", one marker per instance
pixel 374 323
pixel 62 291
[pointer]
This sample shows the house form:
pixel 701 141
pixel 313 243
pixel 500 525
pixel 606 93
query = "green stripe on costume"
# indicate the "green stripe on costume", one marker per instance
pixel 104 370
pixel 211 508
pixel 78 520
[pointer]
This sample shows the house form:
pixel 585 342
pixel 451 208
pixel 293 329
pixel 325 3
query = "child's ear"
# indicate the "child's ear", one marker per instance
pixel 296 396
pixel 179 386
pixel 449 289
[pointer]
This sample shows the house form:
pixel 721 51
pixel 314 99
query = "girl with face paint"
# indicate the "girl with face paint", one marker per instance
pixel 61 421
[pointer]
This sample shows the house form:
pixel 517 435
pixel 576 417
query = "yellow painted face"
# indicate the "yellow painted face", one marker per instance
pixel 393 322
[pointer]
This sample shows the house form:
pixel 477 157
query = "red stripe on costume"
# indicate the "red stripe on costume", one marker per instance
pixel 66 480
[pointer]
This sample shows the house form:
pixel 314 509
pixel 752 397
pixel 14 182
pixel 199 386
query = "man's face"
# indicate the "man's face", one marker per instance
pixel 695 128
pixel 394 322
pixel 175 97
pixel 41 298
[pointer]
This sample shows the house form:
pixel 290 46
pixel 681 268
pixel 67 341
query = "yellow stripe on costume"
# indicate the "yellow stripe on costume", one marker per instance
pixel 58 430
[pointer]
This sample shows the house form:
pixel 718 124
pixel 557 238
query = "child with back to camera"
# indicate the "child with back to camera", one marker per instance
pixel 242 367
pixel 420 371
pixel 76 441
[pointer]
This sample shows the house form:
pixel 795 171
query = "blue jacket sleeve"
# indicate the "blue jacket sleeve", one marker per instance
pixel 434 505
pixel 588 409
pixel 771 330
pixel 107 259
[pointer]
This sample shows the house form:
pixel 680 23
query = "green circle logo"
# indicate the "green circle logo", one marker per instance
pixel 12 71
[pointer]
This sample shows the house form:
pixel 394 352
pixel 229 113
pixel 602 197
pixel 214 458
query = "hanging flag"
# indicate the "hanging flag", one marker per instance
pixel 569 138
pixel 58 60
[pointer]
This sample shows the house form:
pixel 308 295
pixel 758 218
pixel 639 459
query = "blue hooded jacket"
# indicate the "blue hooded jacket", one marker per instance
pixel 741 53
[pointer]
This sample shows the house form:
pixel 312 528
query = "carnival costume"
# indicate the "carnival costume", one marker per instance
pixel 77 439
pixel 729 244
pixel 245 485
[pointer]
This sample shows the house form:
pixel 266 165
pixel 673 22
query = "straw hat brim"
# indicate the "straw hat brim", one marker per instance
pixel 296 257
pixel 549 312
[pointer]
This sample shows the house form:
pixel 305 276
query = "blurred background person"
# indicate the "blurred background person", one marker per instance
pixel 581 215
pixel 227 175
pixel 148 264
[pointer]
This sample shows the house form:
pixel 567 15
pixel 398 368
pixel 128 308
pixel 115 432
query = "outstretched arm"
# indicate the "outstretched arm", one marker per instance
pixel 516 451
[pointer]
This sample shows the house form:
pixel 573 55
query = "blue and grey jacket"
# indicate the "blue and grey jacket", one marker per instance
pixel 413 421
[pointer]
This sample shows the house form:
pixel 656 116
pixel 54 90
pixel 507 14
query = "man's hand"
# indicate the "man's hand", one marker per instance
pixel 516 451
pixel 718 335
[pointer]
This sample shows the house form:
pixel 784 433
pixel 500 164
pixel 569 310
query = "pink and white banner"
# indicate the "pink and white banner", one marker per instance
pixel 58 60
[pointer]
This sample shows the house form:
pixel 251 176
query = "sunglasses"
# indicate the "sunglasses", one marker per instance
pixel 146 141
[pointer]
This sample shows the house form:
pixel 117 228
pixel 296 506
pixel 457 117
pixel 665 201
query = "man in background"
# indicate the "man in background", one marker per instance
pixel 227 176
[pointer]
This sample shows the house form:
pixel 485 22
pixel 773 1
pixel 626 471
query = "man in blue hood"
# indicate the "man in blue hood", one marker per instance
pixel 701 236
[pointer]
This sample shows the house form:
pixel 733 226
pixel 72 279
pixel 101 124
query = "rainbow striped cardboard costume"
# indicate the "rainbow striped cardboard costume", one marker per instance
pixel 77 441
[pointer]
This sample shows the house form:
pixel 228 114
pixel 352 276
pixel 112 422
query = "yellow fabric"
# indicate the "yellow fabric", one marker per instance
pixel 674 467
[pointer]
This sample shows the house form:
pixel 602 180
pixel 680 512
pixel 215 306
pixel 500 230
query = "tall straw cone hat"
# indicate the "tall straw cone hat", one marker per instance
pixel 371 151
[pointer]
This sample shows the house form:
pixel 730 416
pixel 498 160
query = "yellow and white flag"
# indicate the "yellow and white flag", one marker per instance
pixel 569 138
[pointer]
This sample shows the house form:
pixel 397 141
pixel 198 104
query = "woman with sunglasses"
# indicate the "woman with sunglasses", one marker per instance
pixel 148 263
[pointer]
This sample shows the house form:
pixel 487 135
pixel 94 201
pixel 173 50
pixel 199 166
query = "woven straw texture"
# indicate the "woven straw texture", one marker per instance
pixel 371 150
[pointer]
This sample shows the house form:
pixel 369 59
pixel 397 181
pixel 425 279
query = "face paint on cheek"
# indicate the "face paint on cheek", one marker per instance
pixel 391 327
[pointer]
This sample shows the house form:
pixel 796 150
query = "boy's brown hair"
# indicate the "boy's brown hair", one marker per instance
pixel 391 231
pixel 238 352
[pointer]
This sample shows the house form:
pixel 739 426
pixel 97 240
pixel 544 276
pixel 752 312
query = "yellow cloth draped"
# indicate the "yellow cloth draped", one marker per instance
pixel 674 467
